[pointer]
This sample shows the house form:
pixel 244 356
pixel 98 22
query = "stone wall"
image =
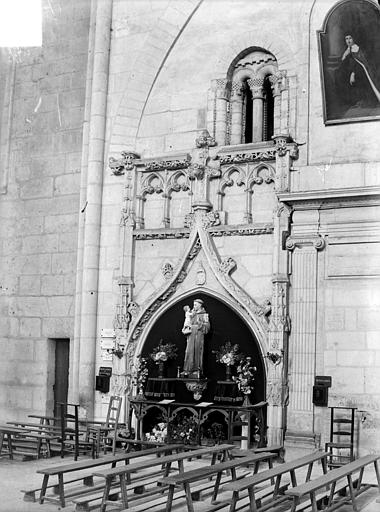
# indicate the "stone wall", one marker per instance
pixel 162 65
pixel 39 205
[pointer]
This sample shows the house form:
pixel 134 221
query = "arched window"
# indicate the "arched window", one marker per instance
pixel 245 106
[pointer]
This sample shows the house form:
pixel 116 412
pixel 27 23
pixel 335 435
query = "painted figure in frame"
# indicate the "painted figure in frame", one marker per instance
pixel 349 48
pixel 195 326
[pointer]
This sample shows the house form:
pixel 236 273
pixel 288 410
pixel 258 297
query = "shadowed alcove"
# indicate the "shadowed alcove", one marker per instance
pixel 226 325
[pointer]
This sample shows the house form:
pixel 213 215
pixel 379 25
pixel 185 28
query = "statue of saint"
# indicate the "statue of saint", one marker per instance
pixel 195 327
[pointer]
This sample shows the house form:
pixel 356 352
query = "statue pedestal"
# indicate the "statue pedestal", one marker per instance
pixel 196 386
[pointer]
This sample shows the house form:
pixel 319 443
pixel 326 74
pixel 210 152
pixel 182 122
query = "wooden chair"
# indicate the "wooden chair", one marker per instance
pixel 105 433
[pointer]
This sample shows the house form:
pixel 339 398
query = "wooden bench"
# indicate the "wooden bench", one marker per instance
pixel 87 464
pixel 332 478
pixel 24 441
pixel 186 478
pixel 250 484
pixel 123 473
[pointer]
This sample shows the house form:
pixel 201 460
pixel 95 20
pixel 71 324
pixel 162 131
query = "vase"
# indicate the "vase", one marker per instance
pixel 247 400
pixel 228 372
pixel 161 370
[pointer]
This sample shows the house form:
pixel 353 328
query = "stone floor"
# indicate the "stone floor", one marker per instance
pixel 16 475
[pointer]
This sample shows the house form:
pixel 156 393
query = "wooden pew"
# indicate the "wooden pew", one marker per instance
pixel 250 484
pixel 332 478
pixel 25 441
pixel 123 473
pixel 186 478
pixel 87 464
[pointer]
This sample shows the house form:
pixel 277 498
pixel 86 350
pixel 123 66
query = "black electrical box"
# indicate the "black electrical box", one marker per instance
pixel 322 383
pixel 102 383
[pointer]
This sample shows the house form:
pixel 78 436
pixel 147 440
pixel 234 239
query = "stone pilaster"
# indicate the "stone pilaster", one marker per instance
pixel 220 111
pixel 278 83
pixel 92 225
pixel 256 85
pixel 236 101
pixel 302 342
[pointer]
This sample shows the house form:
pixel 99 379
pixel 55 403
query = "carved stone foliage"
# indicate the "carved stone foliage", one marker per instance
pixel 167 270
pixel 227 265
pixel 170 165
pixel 262 155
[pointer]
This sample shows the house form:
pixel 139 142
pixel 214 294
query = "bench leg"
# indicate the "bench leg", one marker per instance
pixel 170 498
pixel 252 501
pixel 352 493
pixel 123 488
pixel 10 447
pixel 235 497
pixel 43 488
pixel 216 486
pixel 313 501
pixel 309 470
pixel 277 486
pixel 293 478
pixel 61 490
pixel 106 493
pixel 376 465
pixel 296 502
pixel 331 495
pixel 189 499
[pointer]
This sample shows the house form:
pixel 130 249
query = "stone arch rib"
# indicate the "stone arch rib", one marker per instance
pixel 119 140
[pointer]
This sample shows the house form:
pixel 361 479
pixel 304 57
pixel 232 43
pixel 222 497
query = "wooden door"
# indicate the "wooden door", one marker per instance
pixel 61 383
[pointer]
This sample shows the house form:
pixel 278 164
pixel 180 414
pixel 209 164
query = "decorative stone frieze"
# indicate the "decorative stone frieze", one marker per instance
pixel 266 154
pixel 171 165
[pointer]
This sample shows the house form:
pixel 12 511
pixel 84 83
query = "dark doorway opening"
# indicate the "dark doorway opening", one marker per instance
pixel 61 372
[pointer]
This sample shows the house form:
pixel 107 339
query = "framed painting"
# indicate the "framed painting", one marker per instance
pixel 349 52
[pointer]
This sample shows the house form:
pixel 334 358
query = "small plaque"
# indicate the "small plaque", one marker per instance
pixel 107 333
pixel 322 380
pixel 105 371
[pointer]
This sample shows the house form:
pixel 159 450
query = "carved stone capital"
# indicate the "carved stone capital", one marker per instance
pixel 236 91
pixel 278 82
pixel 256 85
pixel 316 241
pixel 125 163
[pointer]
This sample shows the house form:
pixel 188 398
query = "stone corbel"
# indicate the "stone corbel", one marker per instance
pixel 286 152
pixel 125 163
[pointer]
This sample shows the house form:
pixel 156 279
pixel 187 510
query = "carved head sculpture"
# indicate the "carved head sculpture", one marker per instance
pixel 198 304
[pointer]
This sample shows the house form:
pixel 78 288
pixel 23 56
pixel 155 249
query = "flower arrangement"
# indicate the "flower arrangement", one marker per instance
pixel 159 433
pixel 163 352
pixel 245 375
pixel 140 374
pixel 228 354
pixel 215 432
pixel 183 430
